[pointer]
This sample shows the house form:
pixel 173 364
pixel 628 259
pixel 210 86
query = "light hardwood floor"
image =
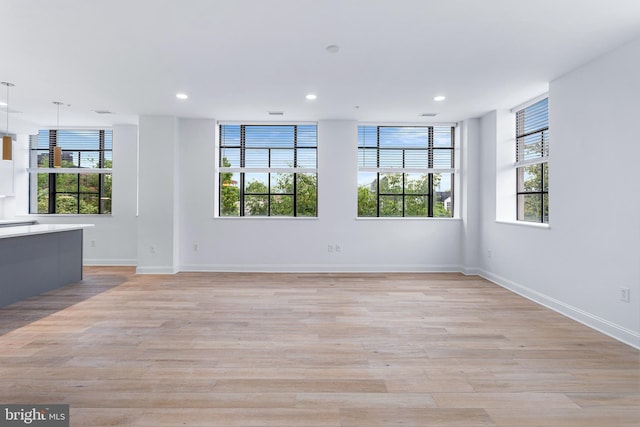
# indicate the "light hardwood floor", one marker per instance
pixel 222 349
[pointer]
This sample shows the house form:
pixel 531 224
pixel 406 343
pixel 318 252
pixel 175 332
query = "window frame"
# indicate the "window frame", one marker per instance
pixel 242 169
pixel 523 164
pixel 430 169
pixel 78 170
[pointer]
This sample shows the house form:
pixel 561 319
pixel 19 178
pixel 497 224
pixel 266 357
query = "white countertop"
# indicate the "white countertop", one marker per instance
pixel 16 221
pixel 9 222
pixel 28 230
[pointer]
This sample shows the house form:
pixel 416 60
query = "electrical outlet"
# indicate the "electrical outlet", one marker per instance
pixel 488 253
pixel 93 243
pixel 196 247
pixel 625 295
pixel 152 249
pixel 338 248
pixel 329 248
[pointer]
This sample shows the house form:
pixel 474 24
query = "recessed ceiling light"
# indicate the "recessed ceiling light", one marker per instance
pixel 182 96
pixel 428 114
pixel 439 98
pixel 276 113
pixel 311 97
pixel 102 111
pixel 332 48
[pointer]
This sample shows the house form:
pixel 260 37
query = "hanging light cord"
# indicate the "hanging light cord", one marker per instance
pixel 7 109
pixel 7 85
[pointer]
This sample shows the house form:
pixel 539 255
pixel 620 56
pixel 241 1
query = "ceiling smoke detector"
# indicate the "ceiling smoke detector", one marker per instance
pixel 332 48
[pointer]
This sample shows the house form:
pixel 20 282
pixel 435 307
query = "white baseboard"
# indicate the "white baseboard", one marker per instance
pixel 156 270
pixel 613 330
pixel 470 271
pixel 320 268
pixel 101 262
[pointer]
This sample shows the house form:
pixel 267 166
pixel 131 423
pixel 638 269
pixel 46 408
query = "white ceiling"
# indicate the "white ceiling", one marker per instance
pixel 238 59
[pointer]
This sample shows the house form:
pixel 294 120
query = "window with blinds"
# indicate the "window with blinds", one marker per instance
pixel 268 170
pixel 532 162
pixel 405 171
pixel 82 182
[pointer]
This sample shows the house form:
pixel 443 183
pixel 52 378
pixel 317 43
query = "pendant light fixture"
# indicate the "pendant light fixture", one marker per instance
pixel 57 150
pixel 7 143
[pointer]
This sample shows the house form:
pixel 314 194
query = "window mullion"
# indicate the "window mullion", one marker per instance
pixel 242 187
pixel 430 148
pixel 378 148
pixel 295 175
pixel 295 194
pixel 378 174
pixel 78 196
pixel 269 190
pixel 101 164
pixel 295 146
pixel 53 136
pixel 404 195
pixel 430 196
pixel 378 194
pixel 242 146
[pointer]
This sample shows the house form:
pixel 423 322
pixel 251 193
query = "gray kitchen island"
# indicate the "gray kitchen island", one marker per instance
pixel 38 258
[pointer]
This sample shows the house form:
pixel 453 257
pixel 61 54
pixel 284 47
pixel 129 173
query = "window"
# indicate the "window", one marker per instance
pixel 532 165
pixel 405 171
pixel 268 170
pixel 82 183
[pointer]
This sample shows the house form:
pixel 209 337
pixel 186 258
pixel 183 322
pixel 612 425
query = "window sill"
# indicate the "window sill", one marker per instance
pixel 274 218
pixel 405 218
pixel 65 216
pixel 71 170
pixel 525 224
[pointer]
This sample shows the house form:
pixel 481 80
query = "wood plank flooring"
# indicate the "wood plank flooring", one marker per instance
pixel 222 349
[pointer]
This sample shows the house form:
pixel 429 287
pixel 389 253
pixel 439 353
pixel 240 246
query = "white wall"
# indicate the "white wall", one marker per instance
pixel 158 207
pixel 280 244
pixel 469 198
pixel 591 247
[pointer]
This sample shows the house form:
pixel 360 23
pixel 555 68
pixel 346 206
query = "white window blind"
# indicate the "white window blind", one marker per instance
pixel 279 148
pixel 421 149
pixel 532 134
